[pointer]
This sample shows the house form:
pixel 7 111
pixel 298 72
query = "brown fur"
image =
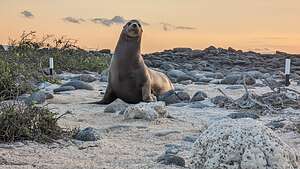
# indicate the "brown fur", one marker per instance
pixel 129 78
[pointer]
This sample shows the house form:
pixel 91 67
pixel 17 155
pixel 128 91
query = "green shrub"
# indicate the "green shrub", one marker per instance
pixel 24 63
pixel 13 80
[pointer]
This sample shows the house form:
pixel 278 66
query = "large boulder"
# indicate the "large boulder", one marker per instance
pixel 243 144
pixel 146 111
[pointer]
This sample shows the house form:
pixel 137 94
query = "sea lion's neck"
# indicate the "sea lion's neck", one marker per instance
pixel 128 48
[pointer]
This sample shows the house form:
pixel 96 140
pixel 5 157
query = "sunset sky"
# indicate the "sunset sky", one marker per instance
pixel 258 25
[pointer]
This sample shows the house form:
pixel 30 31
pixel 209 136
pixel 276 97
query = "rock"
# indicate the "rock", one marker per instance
pixel 146 111
pixel 249 80
pixel 77 84
pixel 255 74
pixel 199 105
pixel 220 101
pixel 182 50
pixel 148 63
pixel 44 85
pixel 212 50
pixel 166 66
pixel 103 79
pixel 176 73
pixel 275 124
pixel 173 97
pixel 85 78
pixel 197 53
pixel 63 89
pixel 216 81
pixel 169 159
pixel 205 80
pixel 116 106
pixel 179 75
pixel 199 96
pixel 49 96
pixel 241 115
pixel 87 134
pixel 234 87
pixel 230 49
pixel 1 48
pixel 233 79
pixel 165 133
pixel 104 75
pixel 214 75
pixel 186 82
pixel 243 143
pixel 180 104
pixel 37 98
pixel 191 139
pixel 106 51
pixel 46 71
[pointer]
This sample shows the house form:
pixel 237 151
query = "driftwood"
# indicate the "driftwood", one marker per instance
pixel 280 98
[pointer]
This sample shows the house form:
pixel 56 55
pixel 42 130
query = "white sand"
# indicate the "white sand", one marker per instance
pixel 134 144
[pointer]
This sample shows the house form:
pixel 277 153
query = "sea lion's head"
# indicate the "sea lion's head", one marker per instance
pixel 133 29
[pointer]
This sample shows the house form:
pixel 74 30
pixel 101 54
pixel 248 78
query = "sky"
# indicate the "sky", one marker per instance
pixel 258 25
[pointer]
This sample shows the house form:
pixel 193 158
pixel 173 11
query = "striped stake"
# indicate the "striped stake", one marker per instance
pixel 287 71
pixel 51 66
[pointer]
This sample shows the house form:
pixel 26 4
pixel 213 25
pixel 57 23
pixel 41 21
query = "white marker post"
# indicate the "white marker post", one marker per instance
pixel 51 66
pixel 287 71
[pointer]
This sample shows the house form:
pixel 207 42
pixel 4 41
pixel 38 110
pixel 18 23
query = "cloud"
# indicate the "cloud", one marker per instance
pixel 116 20
pixel 73 20
pixel 170 27
pixel 27 14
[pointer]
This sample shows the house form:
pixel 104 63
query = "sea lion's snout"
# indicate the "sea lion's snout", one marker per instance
pixel 133 29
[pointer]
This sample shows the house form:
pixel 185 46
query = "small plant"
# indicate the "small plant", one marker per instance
pixel 20 122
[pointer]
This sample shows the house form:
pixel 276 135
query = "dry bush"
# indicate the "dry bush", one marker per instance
pixel 21 122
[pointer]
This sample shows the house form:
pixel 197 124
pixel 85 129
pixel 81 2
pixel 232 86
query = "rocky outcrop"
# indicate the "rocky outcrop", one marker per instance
pixel 244 144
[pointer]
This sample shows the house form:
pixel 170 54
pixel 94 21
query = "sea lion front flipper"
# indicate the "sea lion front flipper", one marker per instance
pixel 146 93
pixel 109 96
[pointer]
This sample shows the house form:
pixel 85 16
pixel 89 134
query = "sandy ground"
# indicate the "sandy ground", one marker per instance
pixel 133 144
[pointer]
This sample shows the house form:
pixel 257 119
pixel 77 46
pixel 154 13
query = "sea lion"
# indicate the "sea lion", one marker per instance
pixel 129 78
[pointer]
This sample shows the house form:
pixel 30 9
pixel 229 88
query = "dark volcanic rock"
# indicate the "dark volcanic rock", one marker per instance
pixel 182 49
pixel 87 134
pixel 220 101
pixel 107 51
pixel 170 159
pixel 85 78
pixel 63 89
pixel 241 115
pixel 199 96
pixel 77 84
pixel 179 75
pixel 173 97
pixel 233 79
